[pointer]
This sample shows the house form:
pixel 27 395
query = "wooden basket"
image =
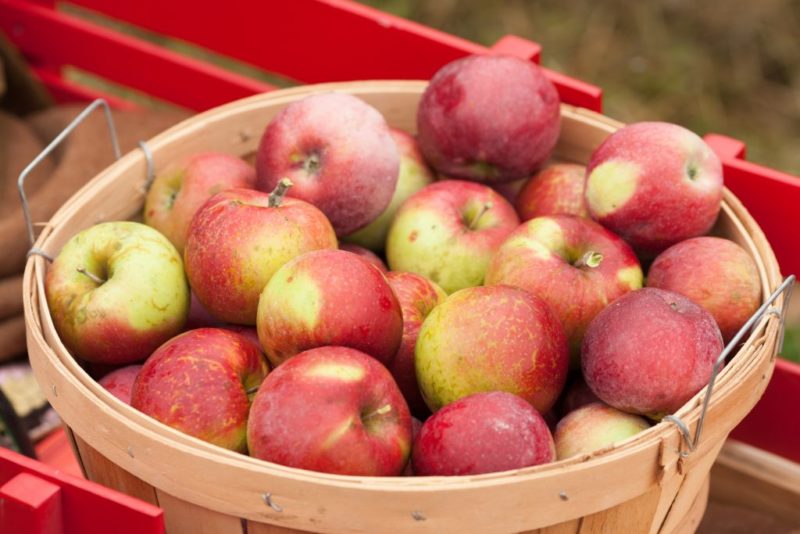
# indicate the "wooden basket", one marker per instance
pixel 648 483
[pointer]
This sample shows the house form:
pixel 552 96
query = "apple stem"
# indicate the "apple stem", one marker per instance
pixel 93 277
pixel 474 222
pixel 386 408
pixel 252 390
pixel 276 197
pixel 591 259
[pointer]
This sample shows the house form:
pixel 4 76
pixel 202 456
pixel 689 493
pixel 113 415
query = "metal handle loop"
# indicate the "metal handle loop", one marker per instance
pixel 765 309
pixel 53 144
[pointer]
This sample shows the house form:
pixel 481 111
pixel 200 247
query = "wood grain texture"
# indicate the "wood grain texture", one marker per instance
pixel 181 517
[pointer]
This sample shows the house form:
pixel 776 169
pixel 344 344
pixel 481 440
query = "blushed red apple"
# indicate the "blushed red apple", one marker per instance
pixel 177 193
pixel 557 189
pixel 482 433
pixel 417 297
pixel 448 232
pixel 488 118
pixel 120 382
pixel 237 241
pixel 654 184
pixel 200 383
pixel 334 410
pixel 593 427
pixel 715 273
pixel 339 153
pixel 491 338
pixel 650 351
pixel 364 254
pixel 329 297
pixel 573 264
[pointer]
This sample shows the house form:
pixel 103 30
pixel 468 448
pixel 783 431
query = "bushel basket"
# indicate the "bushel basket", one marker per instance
pixel 652 482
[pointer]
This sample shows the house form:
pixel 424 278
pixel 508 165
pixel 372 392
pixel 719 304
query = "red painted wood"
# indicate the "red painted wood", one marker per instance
pixel 61 39
pixel 324 40
pixel 726 147
pixel 30 505
pixel 88 508
pixel 55 451
pixel 774 423
pixel 516 46
pixel 64 91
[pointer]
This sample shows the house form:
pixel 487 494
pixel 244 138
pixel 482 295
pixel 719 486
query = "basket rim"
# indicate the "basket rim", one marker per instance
pixel 663 435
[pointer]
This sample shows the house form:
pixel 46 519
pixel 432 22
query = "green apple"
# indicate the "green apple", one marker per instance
pixel 414 175
pixel 116 292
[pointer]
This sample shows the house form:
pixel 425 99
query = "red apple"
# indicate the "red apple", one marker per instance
pixel 237 241
pixel 716 273
pixel 482 433
pixel 448 232
pixel 200 383
pixel 199 317
pixel 488 118
pixel 556 190
pixel 416 426
pixel 650 351
pixel 574 264
pixel 177 194
pixel 654 184
pixel 339 153
pixel 329 297
pixel 414 175
pixel 576 395
pixel 120 382
pixel 116 291
pixel 334 410
pixel 491 338
pixel 364 254
pixel 417 296
pixel 594 427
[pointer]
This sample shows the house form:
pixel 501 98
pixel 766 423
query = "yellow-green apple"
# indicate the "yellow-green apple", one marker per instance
pixel 654 184
pixel 555 190
pixel 119 382
pixel 201 383
pixel 716 273
pixel 650 351
pixel 334 410
pixel 414 175
pixel 488 118
pixel 339 153
pixel 329 297
pixel 482 433
pixel 237 241
pixel 365 254
pixel 117 291
pixel 417 296
pixel 448 232
pixel 496 338
pixel 593 427
pixel 574 264
pixel 177 193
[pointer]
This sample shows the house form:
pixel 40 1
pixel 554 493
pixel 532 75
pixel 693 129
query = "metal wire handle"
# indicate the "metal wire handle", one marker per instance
pixel 765 309
pixel 112 132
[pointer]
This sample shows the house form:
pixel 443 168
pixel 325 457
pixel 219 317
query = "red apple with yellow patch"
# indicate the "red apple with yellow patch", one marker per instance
pixel 329 297
pixel 334 410
pixel 593 427
pixel 201 383
pixel 654 184
pixel 491 338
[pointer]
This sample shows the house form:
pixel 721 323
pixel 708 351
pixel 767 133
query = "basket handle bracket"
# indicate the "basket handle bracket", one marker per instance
pixel 766 309
pixel 47 151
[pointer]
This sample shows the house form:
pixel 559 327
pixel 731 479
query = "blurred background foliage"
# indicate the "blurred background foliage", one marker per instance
pixel 728 67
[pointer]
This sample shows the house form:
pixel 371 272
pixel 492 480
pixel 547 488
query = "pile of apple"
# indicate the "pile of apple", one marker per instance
pixel 512 330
